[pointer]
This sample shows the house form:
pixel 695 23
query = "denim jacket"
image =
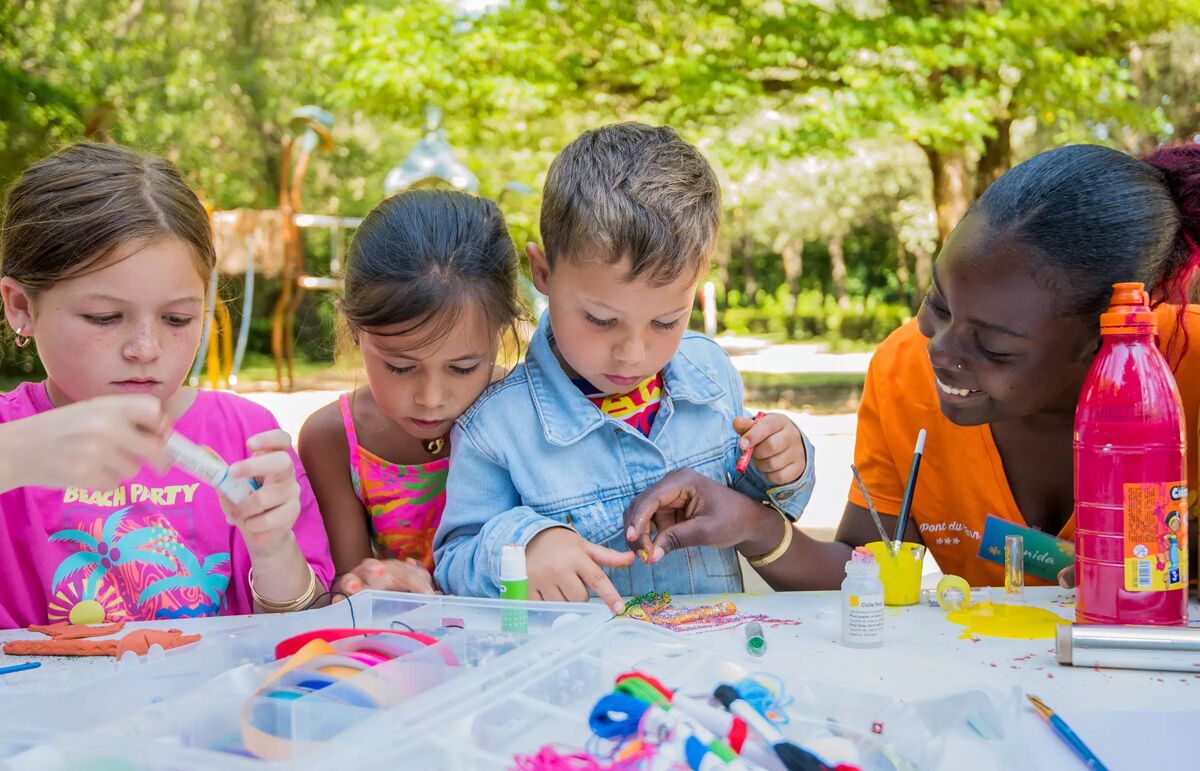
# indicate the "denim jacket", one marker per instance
pixel 533 453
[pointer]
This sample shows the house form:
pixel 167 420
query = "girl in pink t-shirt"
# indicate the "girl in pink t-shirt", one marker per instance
pixel 104 262
pixel 430 290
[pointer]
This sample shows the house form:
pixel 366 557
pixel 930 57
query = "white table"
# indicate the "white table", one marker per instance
pixel 923 656
pixel 1121 715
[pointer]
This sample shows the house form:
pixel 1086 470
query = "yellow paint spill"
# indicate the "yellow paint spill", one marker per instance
pixel 1014 622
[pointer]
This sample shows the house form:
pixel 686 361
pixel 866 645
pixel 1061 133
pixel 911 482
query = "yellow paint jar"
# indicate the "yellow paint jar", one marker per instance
pixel 900 572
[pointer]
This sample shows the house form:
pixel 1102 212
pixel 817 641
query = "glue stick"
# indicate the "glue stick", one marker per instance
pixel 208 468
pixel 514 585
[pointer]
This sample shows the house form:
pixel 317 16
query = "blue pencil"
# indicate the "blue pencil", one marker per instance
pixel 20 667
pixel 1067 735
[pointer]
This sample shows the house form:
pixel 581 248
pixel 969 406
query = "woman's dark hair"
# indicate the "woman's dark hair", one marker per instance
pixel 1100 217
pixel 421 258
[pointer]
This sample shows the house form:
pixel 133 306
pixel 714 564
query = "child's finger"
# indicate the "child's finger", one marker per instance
pixel 269 466
pixel 270 441
pixel 756 433
pixel 268 498
pixel 609 558
pixel 774 464
pixel 594 578
pixel 742 424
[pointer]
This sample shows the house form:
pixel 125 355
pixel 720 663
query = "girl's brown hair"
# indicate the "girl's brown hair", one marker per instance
pixel 70 211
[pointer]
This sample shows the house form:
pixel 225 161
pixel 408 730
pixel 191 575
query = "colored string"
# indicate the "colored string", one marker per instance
pixel 765 692
pixel 331 594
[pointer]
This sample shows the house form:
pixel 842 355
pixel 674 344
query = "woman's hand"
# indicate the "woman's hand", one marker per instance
pixel 685 508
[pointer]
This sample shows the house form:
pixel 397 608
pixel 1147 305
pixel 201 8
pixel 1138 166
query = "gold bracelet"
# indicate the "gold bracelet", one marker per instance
pixel 300 603
pixel 778 551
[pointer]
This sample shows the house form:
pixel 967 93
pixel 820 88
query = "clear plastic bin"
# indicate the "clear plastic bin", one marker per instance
pixel 185 709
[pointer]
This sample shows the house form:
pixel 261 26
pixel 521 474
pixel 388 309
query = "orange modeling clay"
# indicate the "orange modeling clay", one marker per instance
pixel 70 640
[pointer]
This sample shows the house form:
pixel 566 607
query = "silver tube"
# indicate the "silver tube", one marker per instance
pixel 1168 648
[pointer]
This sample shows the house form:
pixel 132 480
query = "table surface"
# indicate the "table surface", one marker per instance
pixel 1122 715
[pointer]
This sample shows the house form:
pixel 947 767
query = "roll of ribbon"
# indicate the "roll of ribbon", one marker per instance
pixel 953 593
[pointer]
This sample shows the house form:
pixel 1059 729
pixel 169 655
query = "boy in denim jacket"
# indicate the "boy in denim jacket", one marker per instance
pixel 613 394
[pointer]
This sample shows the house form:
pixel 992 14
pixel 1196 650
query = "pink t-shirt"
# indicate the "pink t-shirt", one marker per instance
pixel 156 547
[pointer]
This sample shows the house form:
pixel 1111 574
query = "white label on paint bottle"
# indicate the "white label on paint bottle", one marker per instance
pixel 863 619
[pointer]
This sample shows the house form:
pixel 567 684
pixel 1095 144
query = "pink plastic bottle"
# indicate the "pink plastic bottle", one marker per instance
pixel 1130 476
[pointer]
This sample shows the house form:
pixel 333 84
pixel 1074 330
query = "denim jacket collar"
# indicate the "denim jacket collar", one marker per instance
pixel 566 414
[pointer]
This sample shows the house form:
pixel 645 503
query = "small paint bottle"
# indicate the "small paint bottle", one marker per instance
pixel 862 602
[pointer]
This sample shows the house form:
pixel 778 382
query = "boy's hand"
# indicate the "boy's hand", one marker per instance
pixel 390 575
pixel 778 447
pixel 266 517
pixel 563 566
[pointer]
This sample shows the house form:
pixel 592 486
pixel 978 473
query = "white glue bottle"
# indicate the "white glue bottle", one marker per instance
pixel 206 467
pixel 862 602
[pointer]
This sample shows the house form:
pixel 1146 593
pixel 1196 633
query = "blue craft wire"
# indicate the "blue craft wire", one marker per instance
pixel 620 703
pixel 755 692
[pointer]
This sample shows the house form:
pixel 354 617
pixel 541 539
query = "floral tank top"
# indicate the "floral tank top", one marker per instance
pixel 404 503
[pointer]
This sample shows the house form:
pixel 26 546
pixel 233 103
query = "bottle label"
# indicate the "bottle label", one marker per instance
pixel 864 618
pixel 1155 537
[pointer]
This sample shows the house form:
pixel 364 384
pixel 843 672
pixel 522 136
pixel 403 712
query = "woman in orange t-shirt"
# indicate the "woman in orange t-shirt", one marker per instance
pixel 992 367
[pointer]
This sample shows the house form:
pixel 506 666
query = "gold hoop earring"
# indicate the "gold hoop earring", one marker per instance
pixel 20 340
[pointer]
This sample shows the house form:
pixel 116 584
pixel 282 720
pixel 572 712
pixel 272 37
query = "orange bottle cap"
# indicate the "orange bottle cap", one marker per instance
pixel 1129 311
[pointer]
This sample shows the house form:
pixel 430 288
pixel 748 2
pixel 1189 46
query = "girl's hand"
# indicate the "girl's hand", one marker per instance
pixel 95 444
pixel 266 517
pixel 390 575
pixel 778 447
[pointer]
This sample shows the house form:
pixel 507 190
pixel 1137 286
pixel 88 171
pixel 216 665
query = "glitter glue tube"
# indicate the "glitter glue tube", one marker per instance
pixel 208 468
pixel 514 585
pixel 756 644
pixel 1014 568
pixel 1173 649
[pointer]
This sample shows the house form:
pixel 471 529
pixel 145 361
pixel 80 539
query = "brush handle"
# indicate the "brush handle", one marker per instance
pixel 909 489
pixel 1075 743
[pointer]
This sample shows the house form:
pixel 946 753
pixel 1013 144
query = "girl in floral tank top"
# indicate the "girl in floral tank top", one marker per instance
pixel 430 288
pixel 403 502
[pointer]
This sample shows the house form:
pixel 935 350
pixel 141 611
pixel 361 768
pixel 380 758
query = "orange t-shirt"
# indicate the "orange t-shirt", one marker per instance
pixel 962 478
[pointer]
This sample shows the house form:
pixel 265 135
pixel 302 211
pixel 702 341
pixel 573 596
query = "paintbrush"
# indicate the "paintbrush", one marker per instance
pixel 1065 733
pixel 906 504
pixel 862 488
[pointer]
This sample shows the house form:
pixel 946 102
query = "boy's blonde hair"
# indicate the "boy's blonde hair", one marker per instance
pixel 633 191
